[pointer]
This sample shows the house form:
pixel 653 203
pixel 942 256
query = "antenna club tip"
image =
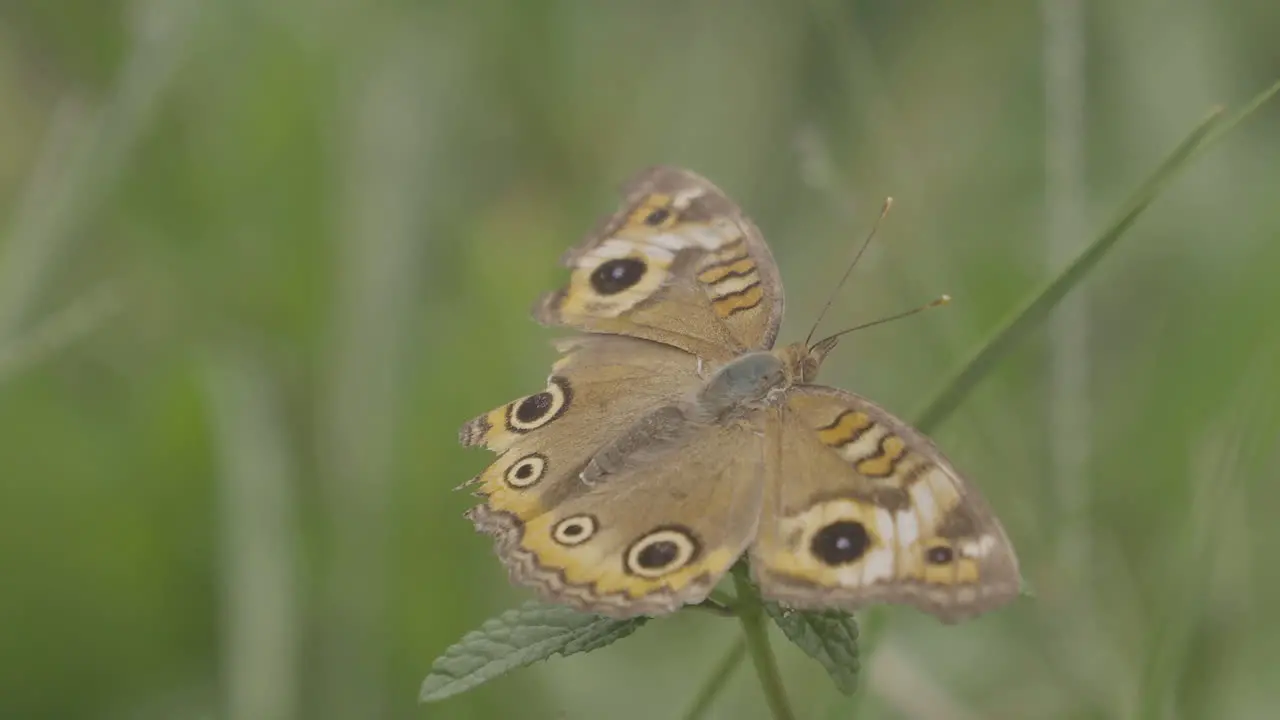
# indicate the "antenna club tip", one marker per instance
pixel 944 299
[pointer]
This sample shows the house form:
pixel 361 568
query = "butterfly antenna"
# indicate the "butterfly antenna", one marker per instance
pixel 884 210
pixel 936 303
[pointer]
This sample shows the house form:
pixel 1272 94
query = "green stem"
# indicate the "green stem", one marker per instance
pixel 751 615
pixel 714 607
pixel 724 598
pixel 717 681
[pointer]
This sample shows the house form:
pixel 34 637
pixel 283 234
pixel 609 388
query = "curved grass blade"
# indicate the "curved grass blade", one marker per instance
pixel 58 331
pixel 1037 308
pixel 1210 130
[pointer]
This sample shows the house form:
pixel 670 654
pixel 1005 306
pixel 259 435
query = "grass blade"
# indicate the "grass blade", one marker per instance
pixel 58 331
pixel 1035 310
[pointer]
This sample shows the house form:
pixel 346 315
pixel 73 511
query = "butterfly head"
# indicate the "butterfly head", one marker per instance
pixel 802 361
pixel 805 360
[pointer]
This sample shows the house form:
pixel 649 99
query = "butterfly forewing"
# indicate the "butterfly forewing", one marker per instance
pixel 677 263
pixel 595 391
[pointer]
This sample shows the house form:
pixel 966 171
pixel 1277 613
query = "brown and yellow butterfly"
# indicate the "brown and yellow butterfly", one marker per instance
pixel 672 438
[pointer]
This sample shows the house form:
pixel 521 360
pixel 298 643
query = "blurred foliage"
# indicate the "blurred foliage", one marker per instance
pixel 321 223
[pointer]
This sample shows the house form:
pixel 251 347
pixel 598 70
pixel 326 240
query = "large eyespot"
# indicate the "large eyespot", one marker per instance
pixel 526 471
pixel 617 275
pixel 939 555
pixel 657 217
pixel 574 530
pixel 840 543
pixel 537 410
pixel 661 551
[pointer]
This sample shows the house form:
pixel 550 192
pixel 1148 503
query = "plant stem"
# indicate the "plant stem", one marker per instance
pixel 714 607
pixel 723 598
pixel 751 615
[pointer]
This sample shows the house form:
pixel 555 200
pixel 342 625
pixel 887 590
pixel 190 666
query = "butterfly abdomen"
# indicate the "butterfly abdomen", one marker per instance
pixel 652 433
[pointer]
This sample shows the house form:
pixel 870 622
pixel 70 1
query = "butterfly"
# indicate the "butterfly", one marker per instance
pixel 673 438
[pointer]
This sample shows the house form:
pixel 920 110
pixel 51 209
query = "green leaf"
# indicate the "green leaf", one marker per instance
pixel 532 632
pixel 829 637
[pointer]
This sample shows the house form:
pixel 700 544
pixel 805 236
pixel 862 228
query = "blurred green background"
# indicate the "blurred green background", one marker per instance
pixel 259 259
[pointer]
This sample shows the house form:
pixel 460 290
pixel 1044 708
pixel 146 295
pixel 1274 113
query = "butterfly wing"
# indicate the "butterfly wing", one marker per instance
pixel 678 263
pixel 669 506
pixel 859 508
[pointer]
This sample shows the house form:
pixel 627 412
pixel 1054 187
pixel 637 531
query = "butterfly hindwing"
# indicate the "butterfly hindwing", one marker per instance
pixel 652 535
pixel 668 504
pixel 860 508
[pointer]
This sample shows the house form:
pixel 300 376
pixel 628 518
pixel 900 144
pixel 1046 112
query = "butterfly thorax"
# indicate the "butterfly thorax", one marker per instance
pixel 747 382
pixel 757 379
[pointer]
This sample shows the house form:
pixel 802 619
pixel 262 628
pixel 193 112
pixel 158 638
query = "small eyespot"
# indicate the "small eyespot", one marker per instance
pixel 939 555
pixel 840 543
pixel 526 471
pixel 617 275
pixel 574 530
pixel 537 410
pixel 661 551
pixel 657 217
